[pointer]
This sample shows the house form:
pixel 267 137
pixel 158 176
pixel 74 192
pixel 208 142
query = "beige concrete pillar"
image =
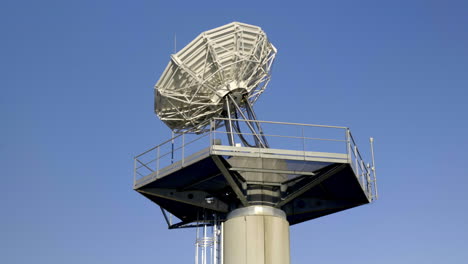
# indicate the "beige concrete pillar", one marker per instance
pixel 256 235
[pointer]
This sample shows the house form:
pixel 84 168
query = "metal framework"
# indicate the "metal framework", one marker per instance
pixel 208 242
pixel 233 61
pixel 293 169
pixel 296 142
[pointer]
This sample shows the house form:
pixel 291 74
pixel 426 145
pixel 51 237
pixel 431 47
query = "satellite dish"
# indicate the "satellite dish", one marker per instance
pixel 221 72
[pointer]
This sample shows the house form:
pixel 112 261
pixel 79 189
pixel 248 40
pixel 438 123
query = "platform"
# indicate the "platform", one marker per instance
pixel 193 173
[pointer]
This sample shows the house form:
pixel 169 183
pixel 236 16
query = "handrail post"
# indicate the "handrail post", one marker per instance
pixel 157 161
pixel 363 175
pixel 373 167
pixel 356 162
pixel 211 134
pixel 183 148
pixel 303 141
pixel 369 181
pixel 348 145
pixel 134 171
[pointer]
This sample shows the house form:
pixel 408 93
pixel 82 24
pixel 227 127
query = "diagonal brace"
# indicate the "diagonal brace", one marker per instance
pixel 232 182
pixel 314 182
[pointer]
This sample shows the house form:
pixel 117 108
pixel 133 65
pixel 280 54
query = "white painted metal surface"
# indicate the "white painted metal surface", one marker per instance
pixel 256 235
pixel 235 58
pixel 221 72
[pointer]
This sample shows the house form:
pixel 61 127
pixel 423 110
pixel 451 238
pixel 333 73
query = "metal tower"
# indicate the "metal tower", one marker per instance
pixel 239 181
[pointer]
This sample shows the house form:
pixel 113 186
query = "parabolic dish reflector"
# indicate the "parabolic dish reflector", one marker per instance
pixel 232 59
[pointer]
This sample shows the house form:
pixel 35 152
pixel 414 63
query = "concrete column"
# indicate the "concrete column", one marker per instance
pixel 256 235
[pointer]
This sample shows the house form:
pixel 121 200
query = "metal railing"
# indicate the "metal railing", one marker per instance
pixel 298 141
pixel 365 172
pixel 168 156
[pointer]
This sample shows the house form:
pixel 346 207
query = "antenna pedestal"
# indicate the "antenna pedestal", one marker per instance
pixel 256 235
pixel 257 184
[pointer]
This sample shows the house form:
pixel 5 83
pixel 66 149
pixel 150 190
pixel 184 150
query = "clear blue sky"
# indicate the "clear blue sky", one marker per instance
pixel 77 80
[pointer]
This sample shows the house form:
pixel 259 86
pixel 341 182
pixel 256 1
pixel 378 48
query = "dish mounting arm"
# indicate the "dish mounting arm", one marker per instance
pixel 243 119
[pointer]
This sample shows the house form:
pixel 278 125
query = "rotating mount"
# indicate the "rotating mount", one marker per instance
pixel 222 72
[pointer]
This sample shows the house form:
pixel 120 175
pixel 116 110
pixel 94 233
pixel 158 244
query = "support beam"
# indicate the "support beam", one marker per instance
pixel 311 205
pixel 195 198
pixel 163 211
pixel 191 185
pixel 319 178
pixel 239 169
pixel 232 182
pixel 228 122
pixel 254 132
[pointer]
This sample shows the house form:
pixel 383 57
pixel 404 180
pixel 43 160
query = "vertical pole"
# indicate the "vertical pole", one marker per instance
pixel 134 171
pixel 183 148
pixel 373 167
pixel 212 247
pixel 221 244
pixel 364 179
pixel 172 146
pixel 204 243
pixel 157 162
pixel 211 134
pixel 356 160
pixel 303 140
pixel 369 181
pixel 348 145
pixel 215 240
pixel 196 244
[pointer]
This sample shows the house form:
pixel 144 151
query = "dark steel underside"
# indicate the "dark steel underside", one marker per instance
pixel 304 189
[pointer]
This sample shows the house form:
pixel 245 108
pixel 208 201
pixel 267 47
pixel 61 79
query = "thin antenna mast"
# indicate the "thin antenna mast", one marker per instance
pixel 175 43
